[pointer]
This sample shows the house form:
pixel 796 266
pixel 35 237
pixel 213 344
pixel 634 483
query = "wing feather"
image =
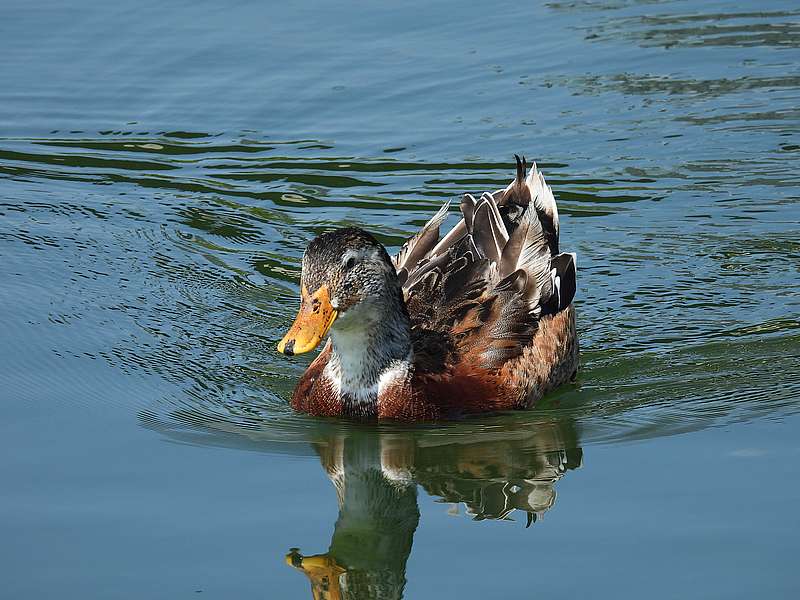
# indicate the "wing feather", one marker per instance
pixel 486 283
pixel 420 245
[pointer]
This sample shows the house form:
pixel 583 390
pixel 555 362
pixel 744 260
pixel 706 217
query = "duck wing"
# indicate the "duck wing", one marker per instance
pixel 479 292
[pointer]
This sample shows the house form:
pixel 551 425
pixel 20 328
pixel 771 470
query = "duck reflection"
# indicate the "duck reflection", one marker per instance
pixel 376 476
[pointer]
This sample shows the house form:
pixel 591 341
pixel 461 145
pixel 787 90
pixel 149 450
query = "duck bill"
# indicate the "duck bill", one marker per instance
pixel 313 321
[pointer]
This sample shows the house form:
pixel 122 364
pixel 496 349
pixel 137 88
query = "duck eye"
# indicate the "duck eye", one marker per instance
pixel 350 263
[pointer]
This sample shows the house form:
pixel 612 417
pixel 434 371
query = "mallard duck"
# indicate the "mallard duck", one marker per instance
pixel 478 321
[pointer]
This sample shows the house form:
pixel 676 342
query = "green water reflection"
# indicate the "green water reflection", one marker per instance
pixel 376 475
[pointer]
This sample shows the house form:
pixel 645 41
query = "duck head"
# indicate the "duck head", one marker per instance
pixel 348 283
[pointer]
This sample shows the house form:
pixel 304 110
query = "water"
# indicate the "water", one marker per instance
pixel 162 166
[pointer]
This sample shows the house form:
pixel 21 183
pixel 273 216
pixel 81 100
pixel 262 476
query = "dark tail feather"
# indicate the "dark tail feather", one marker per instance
pixel 522 168
pixel 563 277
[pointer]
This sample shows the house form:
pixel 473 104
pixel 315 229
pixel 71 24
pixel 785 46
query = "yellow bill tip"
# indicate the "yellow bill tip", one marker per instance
pixel 314 319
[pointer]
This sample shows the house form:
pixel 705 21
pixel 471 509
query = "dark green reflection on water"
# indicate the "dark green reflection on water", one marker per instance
pixel 376 475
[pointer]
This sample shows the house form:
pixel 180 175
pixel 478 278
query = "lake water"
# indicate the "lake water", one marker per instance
pixel 162 166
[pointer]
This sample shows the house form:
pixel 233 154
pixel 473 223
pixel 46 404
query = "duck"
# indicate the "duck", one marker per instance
pixel 478 320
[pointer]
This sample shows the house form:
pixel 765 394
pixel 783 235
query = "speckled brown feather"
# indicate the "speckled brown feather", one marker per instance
pixel 314 393
pixel 463 388
pixel 549 361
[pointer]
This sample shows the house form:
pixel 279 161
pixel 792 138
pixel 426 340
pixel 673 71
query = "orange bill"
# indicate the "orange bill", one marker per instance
pixel 311 324
pixel 322 570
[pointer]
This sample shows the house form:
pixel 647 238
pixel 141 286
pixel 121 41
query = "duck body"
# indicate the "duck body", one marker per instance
pixel 479 320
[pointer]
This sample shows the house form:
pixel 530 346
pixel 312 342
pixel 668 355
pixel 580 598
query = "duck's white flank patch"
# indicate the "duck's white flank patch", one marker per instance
pixel 397 372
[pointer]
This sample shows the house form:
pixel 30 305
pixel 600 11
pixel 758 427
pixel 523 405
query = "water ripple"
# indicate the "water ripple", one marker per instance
pixel 149 267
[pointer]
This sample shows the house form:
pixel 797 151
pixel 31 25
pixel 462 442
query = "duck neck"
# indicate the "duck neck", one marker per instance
pixel 371 347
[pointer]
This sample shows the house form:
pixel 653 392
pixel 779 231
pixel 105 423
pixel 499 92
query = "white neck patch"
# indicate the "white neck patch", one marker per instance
pixel 366 356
